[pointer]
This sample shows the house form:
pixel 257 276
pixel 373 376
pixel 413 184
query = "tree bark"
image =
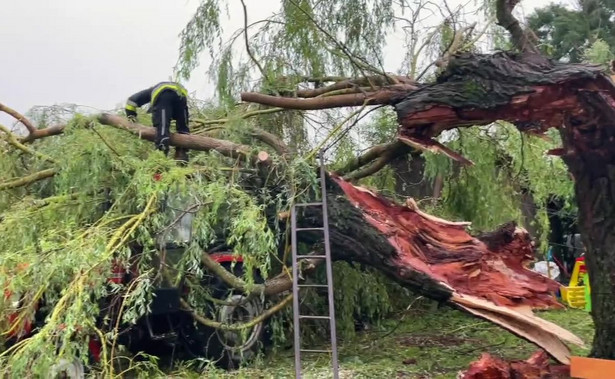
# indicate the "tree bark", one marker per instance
pixel 589 143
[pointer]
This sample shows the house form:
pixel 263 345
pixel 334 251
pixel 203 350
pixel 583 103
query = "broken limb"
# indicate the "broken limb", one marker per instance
pixel 440 260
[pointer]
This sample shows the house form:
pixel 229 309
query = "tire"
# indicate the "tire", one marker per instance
pixel 239 346
pixel 228 348
pixel 67 369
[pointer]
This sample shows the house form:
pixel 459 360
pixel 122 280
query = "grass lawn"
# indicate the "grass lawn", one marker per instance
pixel 419 343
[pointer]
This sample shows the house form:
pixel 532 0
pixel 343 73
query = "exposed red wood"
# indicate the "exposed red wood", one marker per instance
pixel 446 251
pixel 536 367
pixel 488 275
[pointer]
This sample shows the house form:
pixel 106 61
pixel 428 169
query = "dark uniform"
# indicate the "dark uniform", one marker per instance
pixel 168 102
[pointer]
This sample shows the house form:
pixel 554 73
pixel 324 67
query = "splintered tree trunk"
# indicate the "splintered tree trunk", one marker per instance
pixel 485 276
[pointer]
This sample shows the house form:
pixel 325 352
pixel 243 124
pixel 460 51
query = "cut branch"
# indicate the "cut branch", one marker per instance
pixel 270 139
pixel 188 141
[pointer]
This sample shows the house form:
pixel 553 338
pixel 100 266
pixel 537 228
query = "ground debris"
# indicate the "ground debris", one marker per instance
pixel 536 367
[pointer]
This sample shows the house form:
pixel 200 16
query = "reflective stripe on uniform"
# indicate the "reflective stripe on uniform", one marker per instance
pixel 164 120
pixel 178 88
pixel 131 107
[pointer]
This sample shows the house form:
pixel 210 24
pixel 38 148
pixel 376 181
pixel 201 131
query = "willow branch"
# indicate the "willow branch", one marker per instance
pixel 278 284
pixel 373 80
pixel 270 139
pixel 10 138
pixel 381 155
pixel 187 141
pixel 373 153
pixel 242 117
pixel 247 42
pixel 19 117
pixel 24 181
pixel 42 133
pixel 386 95
pixel 237 326
pixel 455 45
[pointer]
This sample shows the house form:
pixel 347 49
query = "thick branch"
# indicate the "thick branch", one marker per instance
pixel 374 81
pixel 24 181
pixel 386 95
pixel 270 139
pixel 42 133
pixel 188 141
pixel 282 282
pixel 381 155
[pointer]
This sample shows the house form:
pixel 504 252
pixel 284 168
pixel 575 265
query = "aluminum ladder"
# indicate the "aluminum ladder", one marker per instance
pixel 297 317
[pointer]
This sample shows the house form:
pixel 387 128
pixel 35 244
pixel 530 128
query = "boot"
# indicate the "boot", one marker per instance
pixel 181 155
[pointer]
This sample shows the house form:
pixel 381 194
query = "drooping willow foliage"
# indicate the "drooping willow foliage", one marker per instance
pixel 111 199
pixel 60 241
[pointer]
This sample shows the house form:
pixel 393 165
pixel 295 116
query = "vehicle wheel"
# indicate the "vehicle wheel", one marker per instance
pixel 240 345
pixel 67 369
pixel 227 348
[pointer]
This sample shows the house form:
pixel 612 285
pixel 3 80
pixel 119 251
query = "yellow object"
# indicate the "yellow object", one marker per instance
pixel 574 294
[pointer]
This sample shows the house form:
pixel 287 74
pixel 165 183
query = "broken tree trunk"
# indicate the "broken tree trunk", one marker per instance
pixel 535 94
pixel 579 100
pixel 485 276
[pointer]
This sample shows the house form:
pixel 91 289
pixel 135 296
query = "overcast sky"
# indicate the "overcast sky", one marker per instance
pixel 97 53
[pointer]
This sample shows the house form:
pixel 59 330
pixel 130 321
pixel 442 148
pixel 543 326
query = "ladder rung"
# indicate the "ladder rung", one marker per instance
pixel 314 317
pixel 313 285
pixel 315 351
pixel 309 229
pixel 311 256
pixel 308 204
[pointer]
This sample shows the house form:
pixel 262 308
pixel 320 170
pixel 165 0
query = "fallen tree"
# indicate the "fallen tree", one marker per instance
pixel 483 275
